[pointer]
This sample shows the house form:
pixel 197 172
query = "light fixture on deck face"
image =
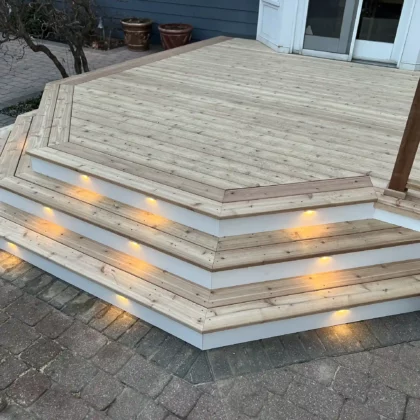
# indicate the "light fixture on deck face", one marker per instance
pixel 151 200
pixel 84 177
pixel 134 244
pixel 12 246
pixel 325 258
pixel 342 312
pixel 122 299
pixel 309 212
pixel 48 210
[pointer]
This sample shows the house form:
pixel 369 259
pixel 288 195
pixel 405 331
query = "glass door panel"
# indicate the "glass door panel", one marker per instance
pixel 328 25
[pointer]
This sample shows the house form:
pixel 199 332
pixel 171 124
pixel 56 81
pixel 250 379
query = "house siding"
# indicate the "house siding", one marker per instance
pixel 237 18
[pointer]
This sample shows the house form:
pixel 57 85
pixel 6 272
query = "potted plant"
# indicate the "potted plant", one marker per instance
pixel 137 33
pixel 175 35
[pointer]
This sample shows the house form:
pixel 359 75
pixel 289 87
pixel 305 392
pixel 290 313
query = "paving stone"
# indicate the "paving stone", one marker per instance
pixel 183 360
pixel 347 336
pixel 102 390
pixel 405 326
pixel 388 353
pixel 357 361
pixel 37 284
pixel 112 357
pixel 331 341
pixel 386 401
pixel 56 287
pixel 92 309
pixel 13 270
pixel 10 369
pixel 128 405
pixel 380 330
pixel 26 278
pixel 14 412
pixel 247 358
pixel 72 372
pixel 276 352
pixel 412 412
pixel 409 356
pixel 8 294
pixel 96 415
pixel 106 318
pixel 3 317
pixel 41 353
pixel 322 370
pixel 29 387
pixel 153 411
pixel 82 340
pixel 208 408
pixel 219 364
pixel 351 384
pixel 151 342
pixel 200 371
pixel 29 309
pixel 144 376
pixel 396 376
pixel 353 410
pixel 278 408
pixel 166 351
pixel 359 331
pixel 120 326
pixel 315 398
pixel 276 380
pixel 59 300
pixel 16 336
pixel 7 264
pixel 54 324
pixel 80 304
pixel 131 337
pixel 179 397
pixel 57 404
pixel 294 348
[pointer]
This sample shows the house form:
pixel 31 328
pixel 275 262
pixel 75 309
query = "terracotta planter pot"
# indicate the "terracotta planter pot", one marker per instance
pixel 137 33
pixel 175 35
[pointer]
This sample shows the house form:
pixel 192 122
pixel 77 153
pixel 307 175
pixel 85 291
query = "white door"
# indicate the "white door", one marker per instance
pixel 378 30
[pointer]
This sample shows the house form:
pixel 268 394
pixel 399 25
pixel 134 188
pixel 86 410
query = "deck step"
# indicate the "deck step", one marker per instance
pixel 207 328
pixel 194 292
pixel 227 212
pixel 219 262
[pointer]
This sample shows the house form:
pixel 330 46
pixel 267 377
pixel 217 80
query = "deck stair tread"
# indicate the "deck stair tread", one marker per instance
pixel 216 254
pixel 405 283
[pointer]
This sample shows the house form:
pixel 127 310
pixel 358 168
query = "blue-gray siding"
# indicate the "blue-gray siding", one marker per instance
pixel 209 17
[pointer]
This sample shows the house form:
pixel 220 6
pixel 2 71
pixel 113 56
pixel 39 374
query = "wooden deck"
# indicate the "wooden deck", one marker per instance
pixel 220 186
pixel 238 115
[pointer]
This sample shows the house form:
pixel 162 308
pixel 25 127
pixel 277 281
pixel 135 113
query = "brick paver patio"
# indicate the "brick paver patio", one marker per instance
pixel 65 354
pixel 24 73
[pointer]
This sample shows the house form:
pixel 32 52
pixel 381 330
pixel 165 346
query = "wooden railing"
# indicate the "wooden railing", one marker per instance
pixel 408 148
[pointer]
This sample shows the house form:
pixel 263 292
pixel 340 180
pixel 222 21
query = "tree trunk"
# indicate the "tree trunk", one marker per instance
pixel 42 48
pixel 84 61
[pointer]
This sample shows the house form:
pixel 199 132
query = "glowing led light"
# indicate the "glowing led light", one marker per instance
pixel 84 177
pixel 325 258
pixel 11 245
pixel 309 212
pixel 48 210
pixel 134 244
pixel 342 312
pixel 151 200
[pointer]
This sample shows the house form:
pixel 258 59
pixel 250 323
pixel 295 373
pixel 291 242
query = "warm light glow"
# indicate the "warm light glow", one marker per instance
pixel 151 200
pixel 325 258
pixel 309 212
pixel 134 244
pixel 122 299
pixel 342 312
pixel 48 210
pixel 84 177
pixel 11 245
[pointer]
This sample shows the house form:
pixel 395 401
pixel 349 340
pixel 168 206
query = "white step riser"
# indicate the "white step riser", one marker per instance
pixel 227 227
pixel 221 338
pixel 219 279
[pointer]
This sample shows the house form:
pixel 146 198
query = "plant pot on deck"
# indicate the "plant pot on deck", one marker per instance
pixel 137 33
pixel 175 35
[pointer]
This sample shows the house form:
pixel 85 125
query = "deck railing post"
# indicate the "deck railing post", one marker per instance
pixel 408 147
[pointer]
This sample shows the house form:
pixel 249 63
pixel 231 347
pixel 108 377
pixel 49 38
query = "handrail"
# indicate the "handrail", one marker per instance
pixel 408 147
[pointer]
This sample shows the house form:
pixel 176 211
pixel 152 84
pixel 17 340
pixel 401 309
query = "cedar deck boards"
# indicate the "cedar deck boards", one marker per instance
pixel 229 128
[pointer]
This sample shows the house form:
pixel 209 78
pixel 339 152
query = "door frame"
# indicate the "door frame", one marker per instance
pixel 397 50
